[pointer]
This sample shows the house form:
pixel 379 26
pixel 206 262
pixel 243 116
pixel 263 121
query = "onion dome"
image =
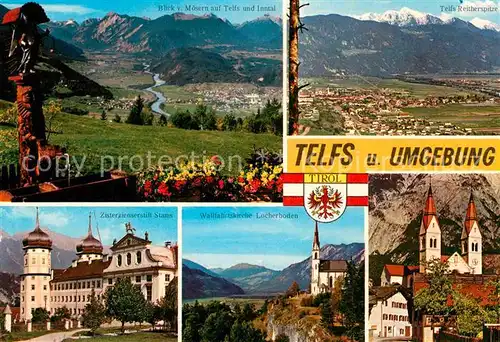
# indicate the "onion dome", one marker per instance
pixel 37 238
pixel 89 245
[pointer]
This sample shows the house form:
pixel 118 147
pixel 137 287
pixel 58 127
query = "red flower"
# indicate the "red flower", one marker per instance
pixel 163 190
pixel 147 186
pixel 196 182
pixel 179 185
pixel 255 185
pixel 221 184
pixel 216 160
pixel 241 179
pixel 209 179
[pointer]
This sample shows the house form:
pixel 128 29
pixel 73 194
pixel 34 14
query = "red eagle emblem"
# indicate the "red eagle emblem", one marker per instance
pixel 325 202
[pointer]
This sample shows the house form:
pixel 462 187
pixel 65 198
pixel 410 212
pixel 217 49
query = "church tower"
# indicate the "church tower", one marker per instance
pixel 90 248
pixel 430 233
pixel 315 263
pixel 35 280
pixel 472 241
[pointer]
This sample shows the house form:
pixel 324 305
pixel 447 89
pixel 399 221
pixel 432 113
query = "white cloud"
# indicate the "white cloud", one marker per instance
pixel 60 8
pixel 48 218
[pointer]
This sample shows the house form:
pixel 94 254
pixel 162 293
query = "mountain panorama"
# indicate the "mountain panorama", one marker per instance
pixel 409 17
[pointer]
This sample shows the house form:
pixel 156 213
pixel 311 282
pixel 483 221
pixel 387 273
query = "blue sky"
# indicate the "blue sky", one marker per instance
pixel 81 9
pixel 73 221
pixel 274 243
pixel 357 7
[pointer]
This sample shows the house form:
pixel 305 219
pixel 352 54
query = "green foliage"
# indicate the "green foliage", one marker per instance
pixel 433 299
pixel 124 302
pixel 147 118
pixel 293 290
pixel 229 123
pixel 470 314
pixel 162 120
pixel 2 323
pixel 352 303
pixel 244 331
pixel 184 120
pixel 320 299
pixel 8 116
pixel 264 307
pixel 135 116
pixel 60 314
pixel 40 315
pixel 167 306
pixel 219 322
pixel 326 314
pixel 104 116
pixel 217 326
pixel 94 314
pixel 494 297
pixel 117 119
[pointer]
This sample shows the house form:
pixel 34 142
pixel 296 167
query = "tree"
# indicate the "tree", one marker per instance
pixel 183 120
pixel 244 331
pixel 94 314
pixel 352 304
pixel 40 315
pixel 433 300
pixel 248 314
pixel 470 315
pixel 135 116
pixel 60 314
pixel 151 313
pixel 229 122
pixel 293 290
pixel 104 116
pixel 147 118
pixel 124 302
pixel 494 297
pixel 117 118
pixel 162 120
pixel 326 314
pixel 167 306
pixel 2 323
pixel 217 326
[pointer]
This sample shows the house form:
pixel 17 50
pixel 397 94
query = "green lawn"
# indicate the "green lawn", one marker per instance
pixel 94 139
pixel 141 336
pixel 24 335
pixel 174 93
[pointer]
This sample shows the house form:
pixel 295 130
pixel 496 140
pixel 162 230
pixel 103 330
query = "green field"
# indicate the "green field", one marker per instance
pixel 228 300
pixel 94 139
pixel 174 93
pixel 481 118
pixel 141 336
pixel 414 89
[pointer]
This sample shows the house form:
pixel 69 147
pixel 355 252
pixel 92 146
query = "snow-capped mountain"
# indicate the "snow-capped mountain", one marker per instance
pixel 485 24
pixel 409 17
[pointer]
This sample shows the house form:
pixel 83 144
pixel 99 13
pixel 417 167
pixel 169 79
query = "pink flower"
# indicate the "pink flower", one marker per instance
pixel 216 160
pixel 221 184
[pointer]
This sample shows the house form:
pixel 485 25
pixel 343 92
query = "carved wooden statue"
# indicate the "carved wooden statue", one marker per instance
pixel 34 152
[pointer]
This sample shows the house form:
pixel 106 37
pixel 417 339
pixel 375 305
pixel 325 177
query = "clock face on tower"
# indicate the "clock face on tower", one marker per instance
pixel 474 262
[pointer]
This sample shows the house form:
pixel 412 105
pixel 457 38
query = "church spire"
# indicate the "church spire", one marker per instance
pixel 316 237
pixel 430 208
pixel 471 215
pixel 89 233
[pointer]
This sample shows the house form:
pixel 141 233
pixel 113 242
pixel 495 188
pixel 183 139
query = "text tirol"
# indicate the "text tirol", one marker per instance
pixel 381 155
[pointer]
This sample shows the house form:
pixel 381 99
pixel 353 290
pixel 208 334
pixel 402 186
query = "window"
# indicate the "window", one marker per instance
pixel 110 281
pixel 138 279
pixel 43 261
pixel 88 284
pixel 149 278
pixel 32 287
pixel 45 287
pixel 119 260
pixel 93 283
pixel 79 285
pixel 138 257
pixel 167 277
pixel 129 259
pixel 32 298
pixel 149 293
pixel 33 260
pixel 98 284
pixel 25 261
